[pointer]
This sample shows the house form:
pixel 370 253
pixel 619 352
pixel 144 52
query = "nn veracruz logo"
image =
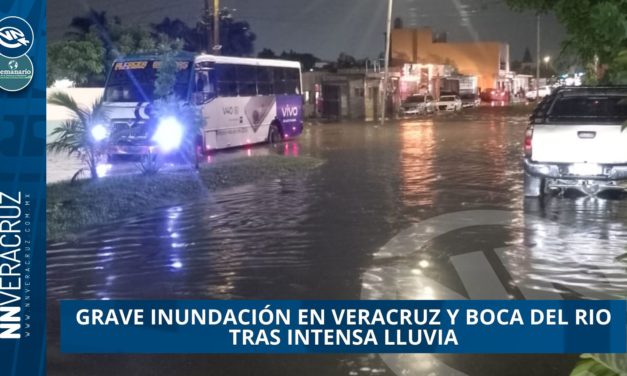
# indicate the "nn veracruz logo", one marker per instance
pixel 15 256
pixel 16 37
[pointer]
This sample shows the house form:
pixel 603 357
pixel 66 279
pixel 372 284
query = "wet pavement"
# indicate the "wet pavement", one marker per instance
pixel 355 229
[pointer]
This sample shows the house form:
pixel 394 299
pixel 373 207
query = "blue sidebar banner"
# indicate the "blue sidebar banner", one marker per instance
pixel 22 187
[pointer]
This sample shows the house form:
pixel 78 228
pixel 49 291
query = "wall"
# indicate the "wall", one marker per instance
pixel 84 97
pixel 480 59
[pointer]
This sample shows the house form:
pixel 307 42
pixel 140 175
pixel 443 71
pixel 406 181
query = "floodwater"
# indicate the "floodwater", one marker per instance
pixel 427 208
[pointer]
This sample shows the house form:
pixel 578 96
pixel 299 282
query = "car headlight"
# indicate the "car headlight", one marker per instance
pixel 169 134
pixel 99 132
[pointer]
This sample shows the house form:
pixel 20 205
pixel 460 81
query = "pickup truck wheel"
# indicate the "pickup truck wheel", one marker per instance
pixel 533 185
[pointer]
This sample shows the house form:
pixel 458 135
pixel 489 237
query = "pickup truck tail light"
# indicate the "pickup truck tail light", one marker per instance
pixel 528 139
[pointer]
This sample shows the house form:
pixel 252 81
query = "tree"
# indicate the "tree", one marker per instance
pixel 74 136
pixel 527 56
pixel 167 105
pixel 94 36
pixel 80 61
pixel 236 38
pixel 307 60
pixel 137 39
pixel 515 66
pixel 193 39
pixel 266 53
pixel 345 61
pixel 597 33
pixel 398 23
pixel 93 20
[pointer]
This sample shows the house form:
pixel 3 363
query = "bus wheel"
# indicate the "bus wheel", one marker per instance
pixel 274 135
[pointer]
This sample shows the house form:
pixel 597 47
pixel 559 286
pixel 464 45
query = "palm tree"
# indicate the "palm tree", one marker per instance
pixel 74 136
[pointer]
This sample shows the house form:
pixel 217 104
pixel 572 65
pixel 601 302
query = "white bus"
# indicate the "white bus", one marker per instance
pixel 243 101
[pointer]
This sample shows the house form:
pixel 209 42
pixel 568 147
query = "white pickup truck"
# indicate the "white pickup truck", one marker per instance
pixel 577 139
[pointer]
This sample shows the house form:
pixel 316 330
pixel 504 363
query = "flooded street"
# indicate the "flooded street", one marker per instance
pixel 428 208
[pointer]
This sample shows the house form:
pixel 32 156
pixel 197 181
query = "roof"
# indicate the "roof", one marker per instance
pixel 188 56
pixel 249 61
pixel 591 90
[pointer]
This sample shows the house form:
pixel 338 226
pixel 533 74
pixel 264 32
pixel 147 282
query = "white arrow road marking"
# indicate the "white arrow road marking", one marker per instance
pixel 478 276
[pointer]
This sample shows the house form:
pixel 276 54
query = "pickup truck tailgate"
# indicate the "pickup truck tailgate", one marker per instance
pixel 563 143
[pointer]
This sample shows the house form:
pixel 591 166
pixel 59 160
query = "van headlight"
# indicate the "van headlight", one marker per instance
pixel 99 132
pixel 169 134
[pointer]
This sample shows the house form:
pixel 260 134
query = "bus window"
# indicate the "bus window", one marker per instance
pixel 204 85
pixel 265 84
pixel 246 80
pixel 227 80
pixel 292 81
pixel 279 81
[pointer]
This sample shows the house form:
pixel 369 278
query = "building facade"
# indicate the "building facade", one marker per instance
pixel 487 62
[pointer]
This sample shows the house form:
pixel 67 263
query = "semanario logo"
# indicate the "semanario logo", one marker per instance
pixel 15 74
pixel 16 37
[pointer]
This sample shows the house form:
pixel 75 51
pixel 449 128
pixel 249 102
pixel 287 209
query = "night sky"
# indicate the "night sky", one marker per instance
pixel 328 27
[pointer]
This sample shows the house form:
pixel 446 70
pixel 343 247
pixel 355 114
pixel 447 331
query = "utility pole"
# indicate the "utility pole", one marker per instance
pixel 216 27
pixel 205 19
pixel 537 56
pixel 387 61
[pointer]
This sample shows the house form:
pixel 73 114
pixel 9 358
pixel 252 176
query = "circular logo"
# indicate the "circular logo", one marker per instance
pixel 15 74
pixel 16 37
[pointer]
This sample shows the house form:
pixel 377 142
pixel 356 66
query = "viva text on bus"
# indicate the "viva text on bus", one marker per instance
pixel 243 101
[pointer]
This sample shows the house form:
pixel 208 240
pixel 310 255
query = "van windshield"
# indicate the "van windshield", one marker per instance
pixel 134 81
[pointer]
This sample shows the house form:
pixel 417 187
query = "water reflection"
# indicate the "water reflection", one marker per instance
pixel 190 250
pixel 579 247
pixel 417 161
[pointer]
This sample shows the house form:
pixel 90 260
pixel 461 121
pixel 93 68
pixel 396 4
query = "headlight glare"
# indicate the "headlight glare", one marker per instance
pixel 99 132
pixel 169 134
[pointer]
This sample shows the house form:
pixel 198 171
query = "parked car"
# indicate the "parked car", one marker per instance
pixel 575 140
pixel 470 100
pixel 417 104
pixel 449 103
pixel 542 92
pixel 494 95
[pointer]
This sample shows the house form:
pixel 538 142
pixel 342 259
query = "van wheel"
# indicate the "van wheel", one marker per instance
pixel 533 186
pixel 274 135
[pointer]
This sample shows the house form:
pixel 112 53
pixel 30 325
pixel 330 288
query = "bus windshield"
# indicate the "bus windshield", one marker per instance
pixel 134 81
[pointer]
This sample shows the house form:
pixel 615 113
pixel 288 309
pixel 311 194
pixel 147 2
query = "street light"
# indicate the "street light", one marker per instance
pixel 546 60
pixel 537 55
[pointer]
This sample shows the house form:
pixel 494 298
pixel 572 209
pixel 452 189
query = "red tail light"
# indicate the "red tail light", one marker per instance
pixel 528 139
